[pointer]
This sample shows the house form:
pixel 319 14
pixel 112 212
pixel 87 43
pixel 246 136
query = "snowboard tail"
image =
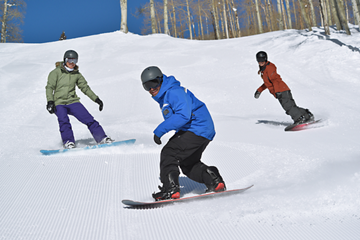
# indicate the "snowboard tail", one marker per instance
pixel 117 143
pixel 157 204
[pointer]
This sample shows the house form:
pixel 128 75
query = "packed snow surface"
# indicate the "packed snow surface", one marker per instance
pixel 306 183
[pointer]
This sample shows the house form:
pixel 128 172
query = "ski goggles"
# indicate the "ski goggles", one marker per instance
pixel 71 60
pixel 152 84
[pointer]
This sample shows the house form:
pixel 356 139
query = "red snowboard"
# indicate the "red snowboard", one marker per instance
pixel 146 205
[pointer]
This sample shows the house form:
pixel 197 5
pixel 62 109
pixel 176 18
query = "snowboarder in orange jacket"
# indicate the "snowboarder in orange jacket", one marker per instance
pixel 280 90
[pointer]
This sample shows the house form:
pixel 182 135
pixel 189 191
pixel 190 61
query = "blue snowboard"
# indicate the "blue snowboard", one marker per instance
pixel 117 143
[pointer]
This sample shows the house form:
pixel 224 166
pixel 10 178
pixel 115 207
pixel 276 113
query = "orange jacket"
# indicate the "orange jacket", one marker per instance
pixel 272 80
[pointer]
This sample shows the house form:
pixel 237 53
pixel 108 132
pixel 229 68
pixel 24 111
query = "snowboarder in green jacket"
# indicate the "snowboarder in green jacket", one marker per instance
pixel 63 101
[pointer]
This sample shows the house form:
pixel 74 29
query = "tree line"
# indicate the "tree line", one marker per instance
pixel 215 19
pixel 219 19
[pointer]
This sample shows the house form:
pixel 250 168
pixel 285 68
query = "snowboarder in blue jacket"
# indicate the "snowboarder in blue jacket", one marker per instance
pixel 194 127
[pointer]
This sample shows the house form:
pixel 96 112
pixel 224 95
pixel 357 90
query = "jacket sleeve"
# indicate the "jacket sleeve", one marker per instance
pixel 84 87
pixel 179 105
pixel 262 88
pixel 51 85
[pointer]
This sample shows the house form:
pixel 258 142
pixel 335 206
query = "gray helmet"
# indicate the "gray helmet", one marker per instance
pixel 70 54
pixel 261 56
pixel 150 73
pixel 151 77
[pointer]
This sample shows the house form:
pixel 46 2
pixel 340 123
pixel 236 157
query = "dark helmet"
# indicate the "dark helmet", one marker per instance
pixel 261 56
pixel 70 54
pixel 151 73
pixel 151 77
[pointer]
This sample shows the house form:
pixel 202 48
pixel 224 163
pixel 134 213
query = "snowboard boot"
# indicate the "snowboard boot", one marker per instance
pixel 170 188
pixel 106 140
pixel 69 145
pixel 213 180
pixel 300 120
pixel 309 117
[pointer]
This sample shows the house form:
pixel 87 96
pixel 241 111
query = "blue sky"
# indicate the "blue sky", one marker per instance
pixel 46 19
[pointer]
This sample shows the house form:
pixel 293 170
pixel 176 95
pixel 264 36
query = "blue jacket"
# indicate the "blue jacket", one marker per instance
pixel 182 111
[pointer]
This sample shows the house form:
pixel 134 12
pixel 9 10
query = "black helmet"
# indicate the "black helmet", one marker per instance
pixel 151 77
pixel 261 56
pixel 70 54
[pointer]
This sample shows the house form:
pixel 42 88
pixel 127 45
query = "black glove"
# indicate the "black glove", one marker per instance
pixel 257 94
pixel 157 140
pixel 51 107
pixel 101 105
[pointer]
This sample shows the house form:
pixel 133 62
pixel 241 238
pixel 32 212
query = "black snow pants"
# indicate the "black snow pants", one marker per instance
pixel 288 104
pixel 183 150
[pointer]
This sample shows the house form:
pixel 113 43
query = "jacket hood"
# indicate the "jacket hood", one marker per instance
pixel 168 82
pixel 61 65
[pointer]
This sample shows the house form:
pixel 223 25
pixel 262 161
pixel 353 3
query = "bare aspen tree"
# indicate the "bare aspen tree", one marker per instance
pixel 4 21
pixel 260 27
pixel 225 23
pixel 324 16
pixel 288 14
pixel 341 11
pixel 283 14
pixel 207 25
pixel 123 24
pixel 158 21
pixel 193 26
pixel 248 19
pixel 295 15
pixel 356 12
pixel 280 18
pixel 312 10
pixel 222 23
pixel 238 34
pixel 201 30
pixel 304 15
pixel 328 9
pixel 12 15
pixel 216 20
pixel 267 20
pixel 166 25
pixel 152 14
pixel 357 3
pixel 321 16
pixel 231 20
pixel 189 18
pixel 174 17
pixel 271 17
pixel 335 15
pixel 346 11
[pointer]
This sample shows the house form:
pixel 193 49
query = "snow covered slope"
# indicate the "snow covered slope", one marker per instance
pixel 306 183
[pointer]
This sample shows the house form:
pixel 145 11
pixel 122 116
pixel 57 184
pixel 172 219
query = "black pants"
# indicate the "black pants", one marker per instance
pixel 288 104
pixel 184 149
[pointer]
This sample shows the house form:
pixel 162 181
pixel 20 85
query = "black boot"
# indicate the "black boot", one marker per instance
pixel 213 180
pixel 300 120
pixel 170 188
pixel 310 116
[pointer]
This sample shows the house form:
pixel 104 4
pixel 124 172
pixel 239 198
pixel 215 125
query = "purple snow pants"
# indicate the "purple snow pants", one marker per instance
pixel 79 111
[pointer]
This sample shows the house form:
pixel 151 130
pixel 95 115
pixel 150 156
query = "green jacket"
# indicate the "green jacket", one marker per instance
pixel 61 84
